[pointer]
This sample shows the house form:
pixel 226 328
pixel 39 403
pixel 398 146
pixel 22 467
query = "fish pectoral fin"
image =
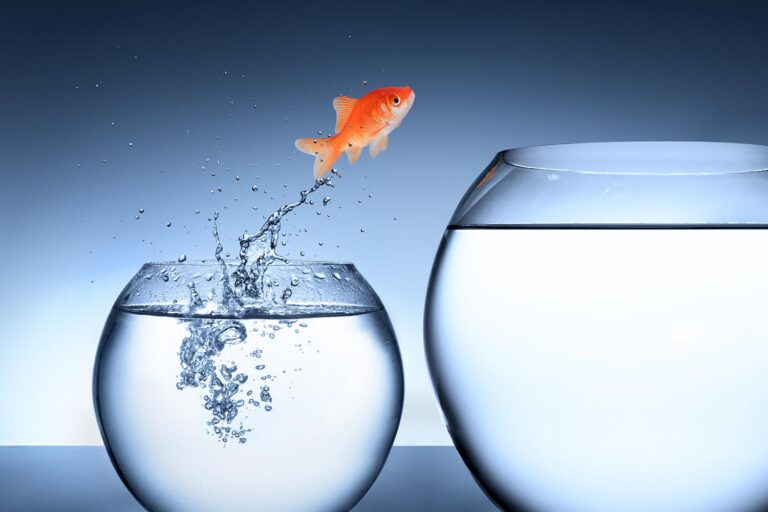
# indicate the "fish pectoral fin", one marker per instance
pixel 353 153
pixel 378 145
pixel 343 106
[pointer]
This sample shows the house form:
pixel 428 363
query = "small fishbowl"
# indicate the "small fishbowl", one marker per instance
pixel 596 332
pixel 287 403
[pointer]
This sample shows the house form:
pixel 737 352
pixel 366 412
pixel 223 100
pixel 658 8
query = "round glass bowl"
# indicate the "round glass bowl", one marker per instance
pixel 289 406
pixel 595 328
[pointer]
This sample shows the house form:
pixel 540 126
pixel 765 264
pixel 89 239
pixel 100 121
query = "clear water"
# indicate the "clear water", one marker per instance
pixel 283 413
pixel 606 370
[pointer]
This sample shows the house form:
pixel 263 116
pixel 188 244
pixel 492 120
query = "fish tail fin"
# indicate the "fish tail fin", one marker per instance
pixel 325 151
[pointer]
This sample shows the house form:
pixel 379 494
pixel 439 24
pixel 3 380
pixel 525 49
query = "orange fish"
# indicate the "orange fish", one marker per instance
pixel 367 121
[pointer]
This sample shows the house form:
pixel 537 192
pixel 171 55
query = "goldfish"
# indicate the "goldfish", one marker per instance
pixel 360 122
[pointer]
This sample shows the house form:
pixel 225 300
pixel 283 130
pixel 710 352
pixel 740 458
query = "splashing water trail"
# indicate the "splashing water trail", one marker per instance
pixel 249 282
pixel 201 353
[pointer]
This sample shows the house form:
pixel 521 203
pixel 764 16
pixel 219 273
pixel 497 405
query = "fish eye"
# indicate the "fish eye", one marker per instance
pixel 396 100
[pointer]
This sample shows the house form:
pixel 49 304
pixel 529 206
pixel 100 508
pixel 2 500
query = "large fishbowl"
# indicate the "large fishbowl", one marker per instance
pixel 596 328
pixel 289 403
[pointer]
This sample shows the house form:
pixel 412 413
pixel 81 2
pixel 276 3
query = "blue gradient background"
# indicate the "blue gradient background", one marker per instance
pixel 179 80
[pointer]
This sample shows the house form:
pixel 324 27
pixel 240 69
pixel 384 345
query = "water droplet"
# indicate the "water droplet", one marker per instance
pixel 182 258
pixel 320 243
pixel 337 275
pixel 364 83
pixel 130 144
pixel 302 253
pixel 237 178
pixel 167 224
pixel 362 230
pixel 326 200
pixel 254 188
pixel 294 281
pixel 141 210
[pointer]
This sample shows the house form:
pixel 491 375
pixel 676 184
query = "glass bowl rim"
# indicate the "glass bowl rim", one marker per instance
pixel 235 263
pixel 508 156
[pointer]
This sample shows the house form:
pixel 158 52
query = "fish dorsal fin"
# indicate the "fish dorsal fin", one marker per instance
pixel 353 153
pixel 343 106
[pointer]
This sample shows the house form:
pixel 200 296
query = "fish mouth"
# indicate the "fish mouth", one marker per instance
pixel 409 101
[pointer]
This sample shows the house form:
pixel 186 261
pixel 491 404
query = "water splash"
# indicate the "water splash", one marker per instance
pixel 249 280
pixel 208 338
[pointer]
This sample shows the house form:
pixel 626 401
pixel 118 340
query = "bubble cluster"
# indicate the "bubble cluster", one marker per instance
pixel 199 353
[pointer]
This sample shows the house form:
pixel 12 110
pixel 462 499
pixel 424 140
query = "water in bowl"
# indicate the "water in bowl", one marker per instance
pixel 605 369
pixel 267 425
